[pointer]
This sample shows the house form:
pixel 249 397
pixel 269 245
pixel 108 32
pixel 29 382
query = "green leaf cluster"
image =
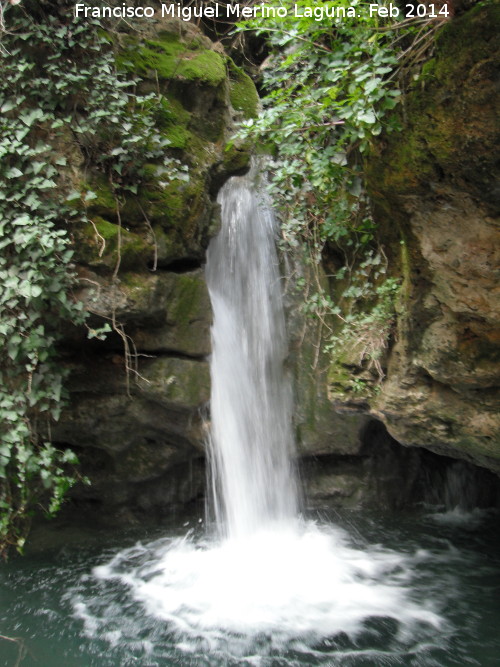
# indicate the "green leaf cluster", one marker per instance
pixel 59 88
pixel 329 90
pixel 327 94
pixel 367 325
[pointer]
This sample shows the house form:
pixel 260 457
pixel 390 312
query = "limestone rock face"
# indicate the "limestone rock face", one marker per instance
pixel 138 376
pixel 321 427
pixel 437 196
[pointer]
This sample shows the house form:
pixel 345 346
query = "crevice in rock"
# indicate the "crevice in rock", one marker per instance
pixel 388 475
pixel 111 351
pixel 171 354
pixel 182 265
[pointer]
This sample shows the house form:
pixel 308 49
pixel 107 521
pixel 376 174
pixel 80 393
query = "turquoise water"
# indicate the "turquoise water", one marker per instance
pixel 69 614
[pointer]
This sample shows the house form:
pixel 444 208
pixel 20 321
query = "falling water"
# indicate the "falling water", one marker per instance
pixel 269 584
pixel 251 442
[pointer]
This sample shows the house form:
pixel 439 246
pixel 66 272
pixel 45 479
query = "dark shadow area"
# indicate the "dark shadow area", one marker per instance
pixel 387 475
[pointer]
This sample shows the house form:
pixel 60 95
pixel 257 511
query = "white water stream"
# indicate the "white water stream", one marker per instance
pixel 269 582
pixel 251 445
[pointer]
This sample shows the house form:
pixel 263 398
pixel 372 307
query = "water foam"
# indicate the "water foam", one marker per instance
pixel 287 583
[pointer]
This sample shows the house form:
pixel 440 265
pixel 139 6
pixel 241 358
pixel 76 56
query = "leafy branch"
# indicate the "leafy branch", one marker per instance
pixel 59 88
pixel 330 88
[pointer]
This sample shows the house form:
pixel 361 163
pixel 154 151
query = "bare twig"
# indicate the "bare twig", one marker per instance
pixel 22 651
pixel 100 237
pixel 118 240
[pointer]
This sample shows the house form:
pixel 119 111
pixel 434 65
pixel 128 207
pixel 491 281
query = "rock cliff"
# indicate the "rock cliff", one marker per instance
pixel 437 201
pixel 137 398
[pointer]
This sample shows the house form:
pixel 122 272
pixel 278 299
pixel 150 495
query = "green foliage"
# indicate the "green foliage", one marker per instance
pixel 59 85
pixel 327 95
pixel 35 271
pixel 367 330
pixel 329 90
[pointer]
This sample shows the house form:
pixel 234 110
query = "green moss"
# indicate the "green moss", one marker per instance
pixel 208 66
pixel 175 209
pixel 411 162
pixel 106 229
pixel 134 250
pixel 180 381
pixel 136 281
pixel 104 204
pixel 448 107
pixel 178 136
pixel 172 119
pixel 167 203
pixel 190 291
pixel 242 92
pixel 169 245
pixel 180 114
pixel 236 158
pixel 474 32
pixel 199 151
pixel 142 57
pixel 338 376
pixel 172 112
pixel 428 69
pixel 171 59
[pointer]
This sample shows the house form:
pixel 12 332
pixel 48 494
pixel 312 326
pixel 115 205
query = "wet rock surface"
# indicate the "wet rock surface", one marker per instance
pixel 435 188
pixel 139 432
pixel 138 379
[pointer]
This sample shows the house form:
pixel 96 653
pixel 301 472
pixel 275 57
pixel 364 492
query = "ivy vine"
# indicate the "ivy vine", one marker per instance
pixel 330 87
pixel 59 87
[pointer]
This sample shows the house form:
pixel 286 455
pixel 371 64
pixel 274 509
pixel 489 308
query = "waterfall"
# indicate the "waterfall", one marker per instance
pixel 251 443
pixel 270 588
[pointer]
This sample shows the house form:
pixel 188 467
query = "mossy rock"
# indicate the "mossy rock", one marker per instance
pixel 174 112
pixel 189 300
pixel 242 92
pixel 170 246
pixel 209 67
pixel 96 197
pixel 339 377
pixel 180 381
pixel 192 82
pixel 178 137
pixel 173 203
pixel 171 59
pixel 100 241
pixel 236 158
pixel 187 132
pixel 178 312
pixel 172 120
pixel 450 118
